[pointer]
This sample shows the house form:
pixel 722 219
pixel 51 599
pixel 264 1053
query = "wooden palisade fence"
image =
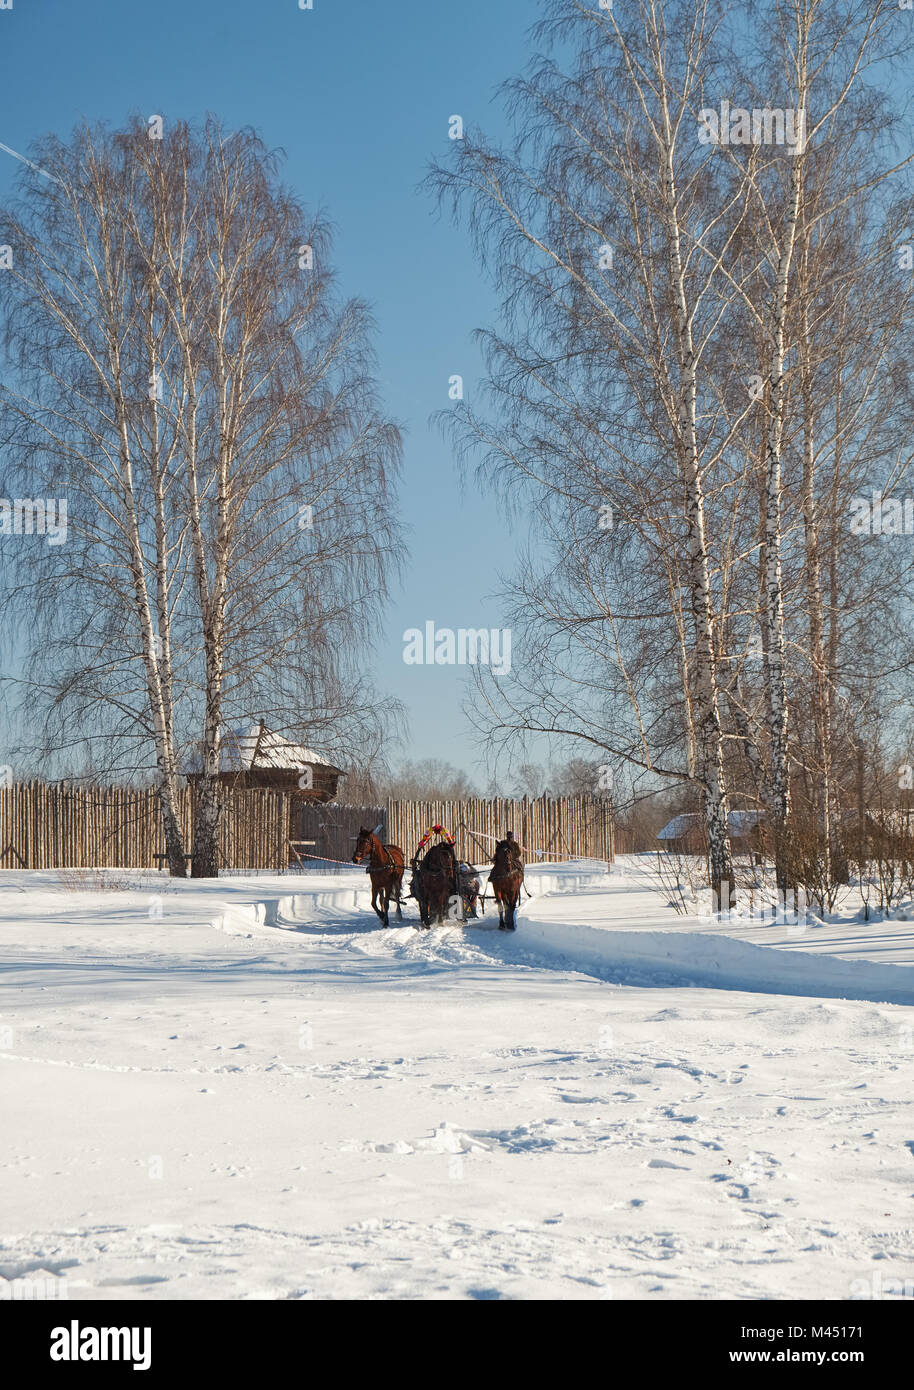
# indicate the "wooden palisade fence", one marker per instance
pixel 65 827
pixel 551 828
pixel 57 826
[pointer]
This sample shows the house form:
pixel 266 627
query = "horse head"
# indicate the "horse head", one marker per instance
pixel 363 845
pixel 507 858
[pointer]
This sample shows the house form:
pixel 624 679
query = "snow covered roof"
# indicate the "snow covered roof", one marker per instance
pixel 259 747
pixel 738 823
pixel 677 827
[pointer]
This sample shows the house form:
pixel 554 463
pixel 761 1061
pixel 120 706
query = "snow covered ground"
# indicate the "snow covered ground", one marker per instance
pixel 249 1089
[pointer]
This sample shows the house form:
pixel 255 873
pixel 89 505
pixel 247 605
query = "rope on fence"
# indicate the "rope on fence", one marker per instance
pixel 540 853
pixel 326 859
pixel 480 835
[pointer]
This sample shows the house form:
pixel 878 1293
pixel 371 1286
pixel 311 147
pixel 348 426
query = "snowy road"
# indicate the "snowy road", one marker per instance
pixel 296 1103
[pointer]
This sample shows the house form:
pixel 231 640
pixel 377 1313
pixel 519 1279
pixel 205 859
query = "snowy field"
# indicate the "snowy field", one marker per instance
pixel 249 1089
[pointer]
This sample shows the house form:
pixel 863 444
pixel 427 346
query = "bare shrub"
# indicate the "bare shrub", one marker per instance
pixel 110 881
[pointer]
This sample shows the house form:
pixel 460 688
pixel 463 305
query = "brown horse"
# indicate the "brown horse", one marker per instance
pixel 385 868
pixel 434 882
pixel 506 878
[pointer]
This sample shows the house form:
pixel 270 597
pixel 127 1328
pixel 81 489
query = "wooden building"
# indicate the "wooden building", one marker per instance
pixel 256 758
pixel 686 834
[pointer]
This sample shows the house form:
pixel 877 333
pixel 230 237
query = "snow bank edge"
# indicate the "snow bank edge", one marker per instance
pixel 703 960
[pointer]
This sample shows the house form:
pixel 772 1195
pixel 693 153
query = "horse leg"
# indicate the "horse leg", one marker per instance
pixel 374 902
pixel 501 911
pixel 385 899
pixel 397 887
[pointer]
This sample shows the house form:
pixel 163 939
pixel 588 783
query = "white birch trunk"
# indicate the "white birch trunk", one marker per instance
pixel 705 702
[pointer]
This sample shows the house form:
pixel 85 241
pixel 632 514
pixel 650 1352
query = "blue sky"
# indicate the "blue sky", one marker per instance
pixel 358 94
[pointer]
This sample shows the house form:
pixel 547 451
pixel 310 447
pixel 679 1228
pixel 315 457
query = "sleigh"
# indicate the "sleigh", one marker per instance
pixel 440 882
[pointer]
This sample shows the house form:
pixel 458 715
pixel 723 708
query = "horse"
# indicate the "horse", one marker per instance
pixel 434 882
pixel 506 878
pixel 385 868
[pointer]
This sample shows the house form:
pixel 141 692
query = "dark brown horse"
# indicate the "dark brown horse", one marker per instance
pixel 434 882
pixel 385 868
pixel 506 879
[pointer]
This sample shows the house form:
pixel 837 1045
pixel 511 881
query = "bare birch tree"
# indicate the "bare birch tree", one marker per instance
pixel 818 77
pixel 607 226
pixel 671 307
pixel 237 388
pixel 80 424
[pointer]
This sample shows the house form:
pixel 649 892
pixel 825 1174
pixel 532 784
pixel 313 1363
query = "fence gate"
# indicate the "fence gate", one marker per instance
pixel 334 829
